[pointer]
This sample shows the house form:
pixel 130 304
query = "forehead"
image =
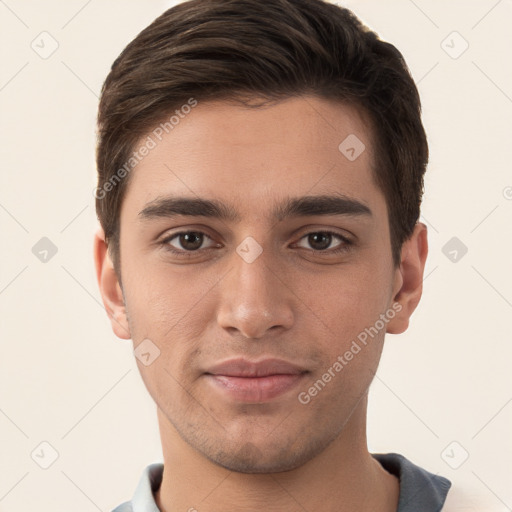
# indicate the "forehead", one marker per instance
pixel 251 157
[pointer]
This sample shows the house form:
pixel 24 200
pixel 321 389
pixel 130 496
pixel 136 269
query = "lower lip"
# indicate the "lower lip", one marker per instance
pixel 255 389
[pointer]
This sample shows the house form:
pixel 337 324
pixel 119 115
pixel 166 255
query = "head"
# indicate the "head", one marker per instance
pixel 260 174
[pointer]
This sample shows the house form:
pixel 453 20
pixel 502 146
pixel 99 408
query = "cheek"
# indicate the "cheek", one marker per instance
pixel 163 299
pixel 349 301
pixel 167 307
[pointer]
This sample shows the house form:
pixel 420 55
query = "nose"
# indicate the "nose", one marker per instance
pixel 255 299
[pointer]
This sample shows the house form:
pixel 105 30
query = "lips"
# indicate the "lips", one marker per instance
pixel 255 382
pixel 246 368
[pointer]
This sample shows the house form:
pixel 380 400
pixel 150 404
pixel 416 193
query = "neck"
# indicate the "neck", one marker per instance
pixel 342 478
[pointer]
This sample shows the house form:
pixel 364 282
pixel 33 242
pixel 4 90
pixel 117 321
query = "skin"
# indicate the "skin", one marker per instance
pixel 296 301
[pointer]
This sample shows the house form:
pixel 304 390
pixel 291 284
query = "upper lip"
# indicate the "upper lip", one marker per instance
pixel 244 368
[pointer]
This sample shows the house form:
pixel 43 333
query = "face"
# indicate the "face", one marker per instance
pixel 258 278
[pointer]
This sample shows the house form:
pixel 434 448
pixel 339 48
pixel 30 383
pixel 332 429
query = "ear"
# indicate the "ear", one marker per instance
pixel 408 284
pixel 110 289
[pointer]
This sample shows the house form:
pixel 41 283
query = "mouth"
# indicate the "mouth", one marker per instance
pixel 255 382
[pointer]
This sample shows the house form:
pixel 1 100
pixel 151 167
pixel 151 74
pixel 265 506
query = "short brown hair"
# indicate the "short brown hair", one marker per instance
pixel 272 49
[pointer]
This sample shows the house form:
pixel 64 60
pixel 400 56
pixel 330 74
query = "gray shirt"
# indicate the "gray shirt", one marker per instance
pixel 420 490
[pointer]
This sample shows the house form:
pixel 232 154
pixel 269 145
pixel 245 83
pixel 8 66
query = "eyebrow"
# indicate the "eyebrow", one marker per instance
pixel 168 207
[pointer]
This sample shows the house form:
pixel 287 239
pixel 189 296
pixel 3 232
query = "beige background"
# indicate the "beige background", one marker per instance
pixel 65 379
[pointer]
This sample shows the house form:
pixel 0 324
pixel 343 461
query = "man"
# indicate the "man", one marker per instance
pixel 260 178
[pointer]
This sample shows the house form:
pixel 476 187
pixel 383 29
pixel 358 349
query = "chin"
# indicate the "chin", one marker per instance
pixel 251 459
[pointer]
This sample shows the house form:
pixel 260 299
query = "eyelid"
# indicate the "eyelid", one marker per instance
pixel 166 239
pixel 332 230
pixel 345 240
pixel 345 244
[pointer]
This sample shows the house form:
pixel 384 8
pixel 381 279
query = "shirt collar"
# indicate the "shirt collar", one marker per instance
pixel 419 489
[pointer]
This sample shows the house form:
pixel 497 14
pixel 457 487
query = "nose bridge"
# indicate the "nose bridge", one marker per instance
pixel 253 298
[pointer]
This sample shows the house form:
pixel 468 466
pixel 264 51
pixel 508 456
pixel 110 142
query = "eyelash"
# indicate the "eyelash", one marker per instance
pixel 344 247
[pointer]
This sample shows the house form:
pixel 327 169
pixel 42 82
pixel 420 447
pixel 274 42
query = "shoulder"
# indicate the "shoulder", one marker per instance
pixel 124 507
pixel 143 499
pixel 419 489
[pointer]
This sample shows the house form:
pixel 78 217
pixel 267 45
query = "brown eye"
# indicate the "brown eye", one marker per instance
pixel 186 241
pixel 191 241
pixel 319 241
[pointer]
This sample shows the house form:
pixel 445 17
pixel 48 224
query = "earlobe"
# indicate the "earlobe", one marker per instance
pixel 110 289
pixel 409 278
